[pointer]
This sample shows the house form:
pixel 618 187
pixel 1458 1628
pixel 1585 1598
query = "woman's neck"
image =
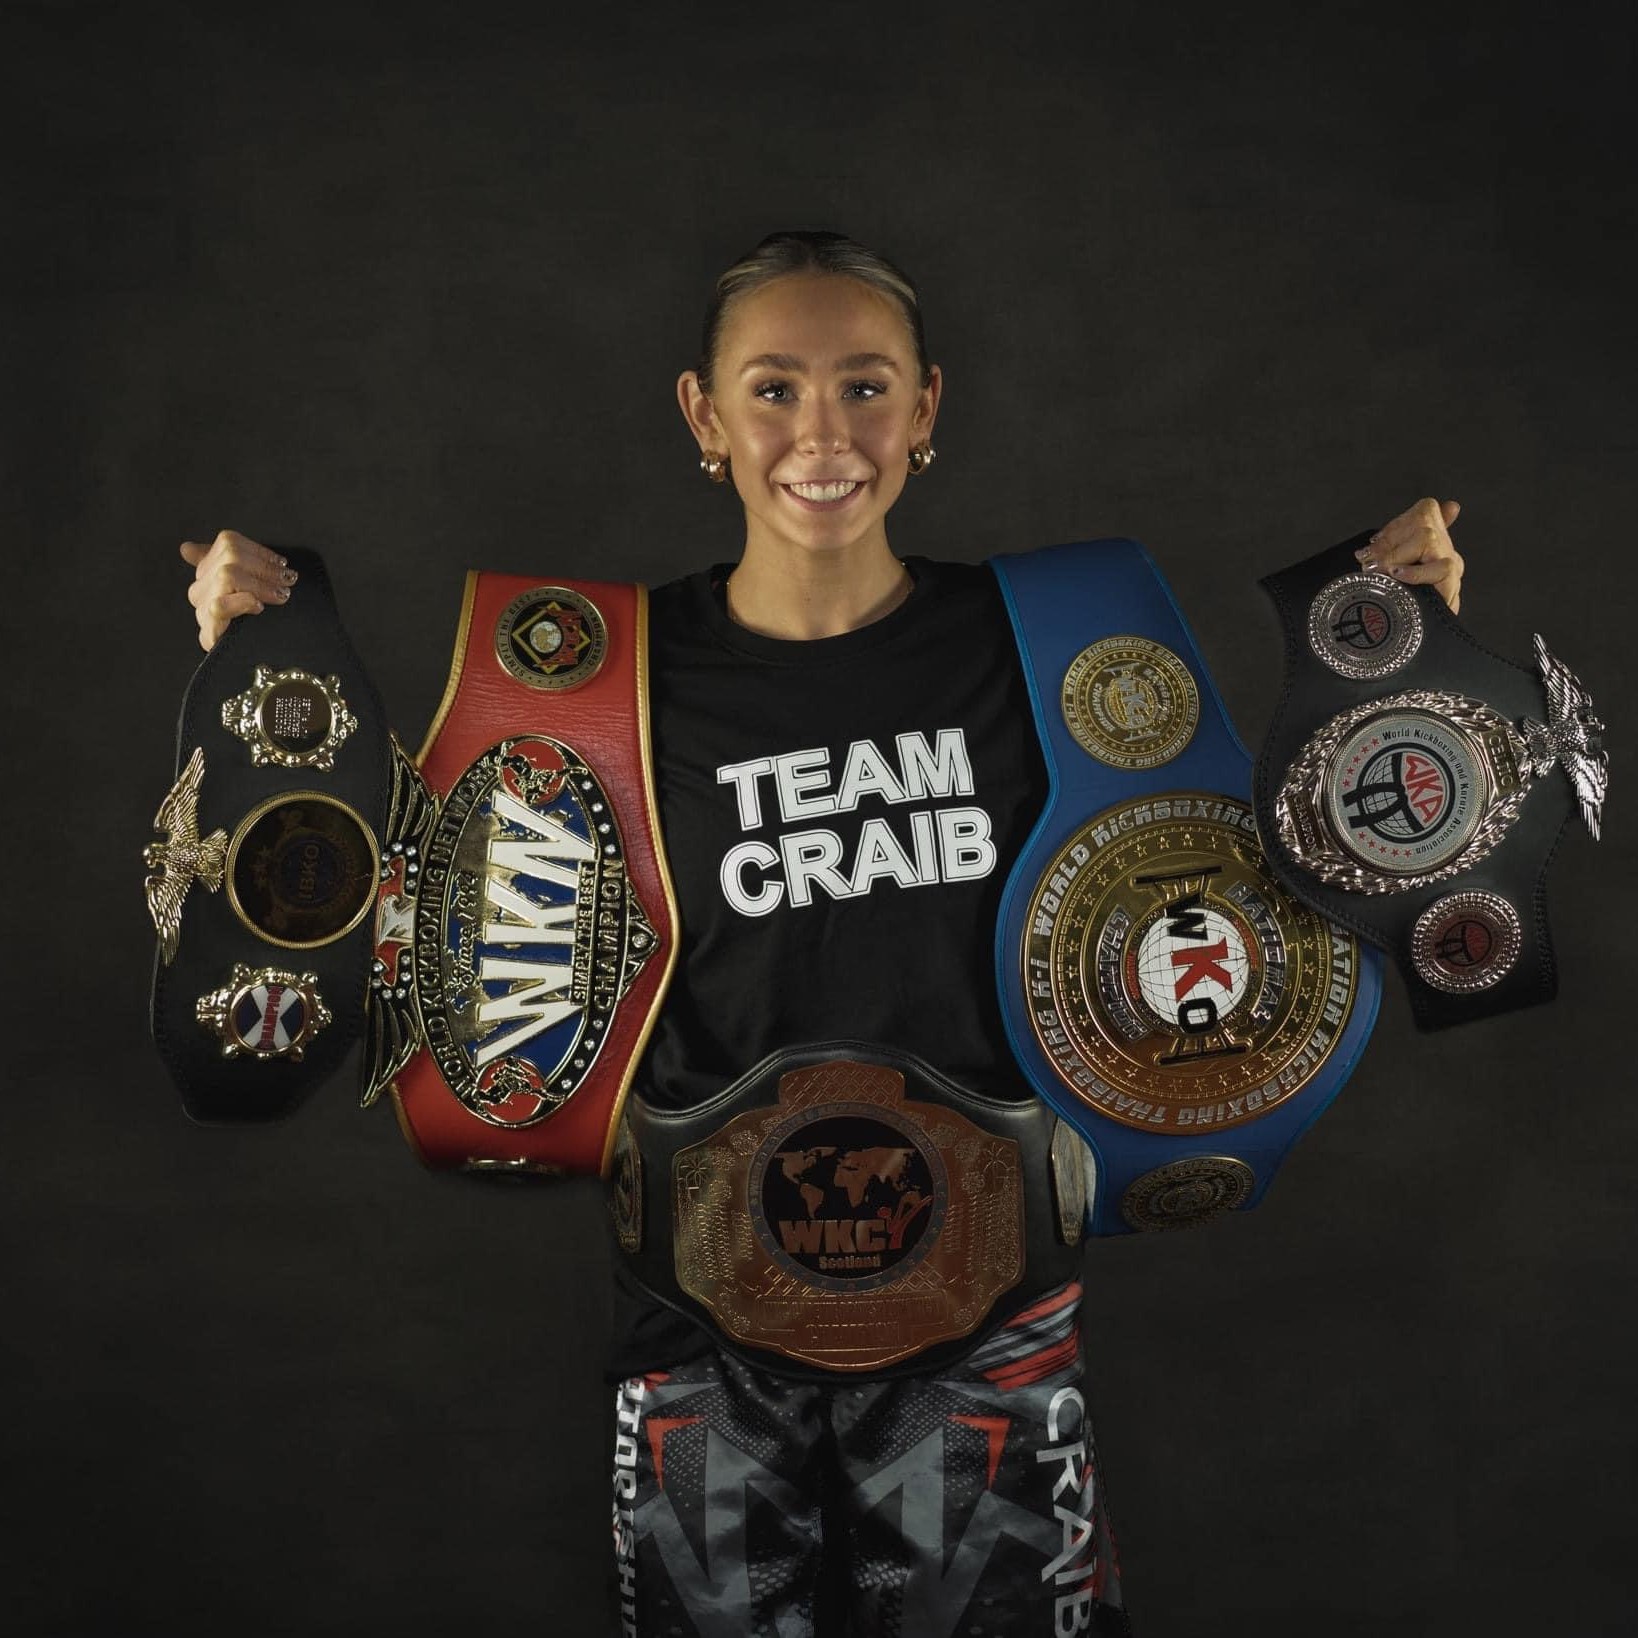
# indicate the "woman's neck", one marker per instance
pixel 780 591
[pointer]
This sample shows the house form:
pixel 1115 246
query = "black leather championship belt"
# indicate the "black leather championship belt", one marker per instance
pixel 493 918
pixel 843 1208
pixel 1413 785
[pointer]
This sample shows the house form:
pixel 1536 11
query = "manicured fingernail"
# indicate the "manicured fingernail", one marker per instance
pixel 283 594
pixel 288 577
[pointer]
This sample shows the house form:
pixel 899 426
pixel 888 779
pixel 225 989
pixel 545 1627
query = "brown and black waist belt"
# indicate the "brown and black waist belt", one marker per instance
pixel 843 1208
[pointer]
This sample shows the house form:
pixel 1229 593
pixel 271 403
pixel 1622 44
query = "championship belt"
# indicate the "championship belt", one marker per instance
pixel 1160 989
pixel 844 1208
pixel 264 871
pixel 1413 785
pixel 498 920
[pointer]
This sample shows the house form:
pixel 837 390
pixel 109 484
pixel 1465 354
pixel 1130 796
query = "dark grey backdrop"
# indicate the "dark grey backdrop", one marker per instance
pixel 414 289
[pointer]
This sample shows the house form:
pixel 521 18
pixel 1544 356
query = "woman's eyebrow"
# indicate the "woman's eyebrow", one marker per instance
pixel 788 361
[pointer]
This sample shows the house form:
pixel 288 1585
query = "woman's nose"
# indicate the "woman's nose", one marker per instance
pixel 821 427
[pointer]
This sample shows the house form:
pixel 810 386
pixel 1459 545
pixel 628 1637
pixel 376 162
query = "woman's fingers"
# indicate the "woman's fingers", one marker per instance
pixel 216 615
pixel 233 575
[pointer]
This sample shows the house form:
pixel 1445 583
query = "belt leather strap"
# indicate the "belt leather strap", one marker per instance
pixel 1160 990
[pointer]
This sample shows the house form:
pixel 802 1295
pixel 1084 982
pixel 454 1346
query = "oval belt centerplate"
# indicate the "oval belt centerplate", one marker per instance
pixel 1170 981
pixel 526 930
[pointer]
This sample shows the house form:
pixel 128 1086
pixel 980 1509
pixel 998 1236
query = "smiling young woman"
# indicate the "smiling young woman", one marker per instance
pixel 846 767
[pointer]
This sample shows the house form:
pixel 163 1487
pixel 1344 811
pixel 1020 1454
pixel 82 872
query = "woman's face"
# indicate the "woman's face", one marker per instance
pixel 817 403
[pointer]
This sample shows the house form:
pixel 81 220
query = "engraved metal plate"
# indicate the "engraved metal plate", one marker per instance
pixel 551 637
pixel 526 930
pixel 1186 1192
pixel 1071 1161
pixel 626 1189
pixel 179 856
pixel 394 1026
pixel 1365 625
pixel 290 718
pixel 1131 702
pixel 1466 941
pixel 1171 982
pixel 1403 791
pixel 301 870
pixel 264 1012
pixel 848 1227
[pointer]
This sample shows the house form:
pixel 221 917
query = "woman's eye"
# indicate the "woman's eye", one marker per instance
pixel 865 389
pixel 772 392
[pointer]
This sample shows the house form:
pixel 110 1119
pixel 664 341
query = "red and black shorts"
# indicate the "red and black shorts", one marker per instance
pixel 967 1503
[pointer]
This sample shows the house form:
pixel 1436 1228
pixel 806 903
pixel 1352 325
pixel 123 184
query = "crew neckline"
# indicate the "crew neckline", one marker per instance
pixel 711 607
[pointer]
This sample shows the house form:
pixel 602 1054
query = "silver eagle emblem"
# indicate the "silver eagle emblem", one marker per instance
pixel 180 855
pixel 1572 737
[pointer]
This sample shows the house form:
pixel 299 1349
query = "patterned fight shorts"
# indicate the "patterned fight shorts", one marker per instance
pixel 922 1507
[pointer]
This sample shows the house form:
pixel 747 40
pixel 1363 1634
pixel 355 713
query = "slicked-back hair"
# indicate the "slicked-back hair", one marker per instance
pixel 809 250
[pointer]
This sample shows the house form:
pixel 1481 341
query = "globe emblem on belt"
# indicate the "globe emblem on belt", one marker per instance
pixel 847 1197
pixel 1191 962
pixel 1405 792
pixel 1364 625
pixel 1171 983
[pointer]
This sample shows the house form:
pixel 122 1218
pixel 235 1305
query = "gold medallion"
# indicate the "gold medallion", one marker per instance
pixel 551 637
pixel 292 719
pixel 302 870
pixel 1131 702
pixel 848 1227
pixel 264 1012
pixel 1186 1192
pixel 1171 982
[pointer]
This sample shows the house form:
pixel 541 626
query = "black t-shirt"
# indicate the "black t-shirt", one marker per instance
pixel 839 816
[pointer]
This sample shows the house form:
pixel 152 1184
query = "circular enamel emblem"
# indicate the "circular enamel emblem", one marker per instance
pixel 1466 941
pixel 1130 702
pixel 1171 982
pixel 264 1012
pixel 290 718
pixel 1186 1192
pixel 1365 625
pixel 551 637
pixel 848 1197
pixel 302 870
pixel 526 930
pixel 1404 791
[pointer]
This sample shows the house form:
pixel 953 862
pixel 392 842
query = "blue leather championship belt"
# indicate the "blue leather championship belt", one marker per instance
pixel 1188 1016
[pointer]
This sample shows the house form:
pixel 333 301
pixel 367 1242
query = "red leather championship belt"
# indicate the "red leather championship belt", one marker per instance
pixel 494 918
pixel 525 926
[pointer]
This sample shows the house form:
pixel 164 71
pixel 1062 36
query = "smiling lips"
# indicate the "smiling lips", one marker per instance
pixel 823 494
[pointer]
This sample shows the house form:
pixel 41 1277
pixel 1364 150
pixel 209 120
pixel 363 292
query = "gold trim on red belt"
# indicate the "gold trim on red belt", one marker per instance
pixel 525 923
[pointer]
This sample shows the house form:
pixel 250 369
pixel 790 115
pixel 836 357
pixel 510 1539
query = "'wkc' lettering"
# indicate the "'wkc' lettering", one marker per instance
pixel 945 844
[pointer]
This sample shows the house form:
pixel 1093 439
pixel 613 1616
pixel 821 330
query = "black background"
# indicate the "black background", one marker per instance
pixel 413 287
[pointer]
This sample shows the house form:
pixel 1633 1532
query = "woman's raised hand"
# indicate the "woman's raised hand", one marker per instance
pixel 233 575
pixel 1416 547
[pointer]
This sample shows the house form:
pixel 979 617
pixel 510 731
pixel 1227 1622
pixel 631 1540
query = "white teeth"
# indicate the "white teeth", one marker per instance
pixel 822 491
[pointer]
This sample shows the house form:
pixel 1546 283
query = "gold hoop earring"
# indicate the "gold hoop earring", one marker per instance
pixel 922 457
pixel 714 466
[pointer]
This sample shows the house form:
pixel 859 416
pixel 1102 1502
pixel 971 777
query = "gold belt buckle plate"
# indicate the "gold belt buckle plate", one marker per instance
pixel 847 1227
